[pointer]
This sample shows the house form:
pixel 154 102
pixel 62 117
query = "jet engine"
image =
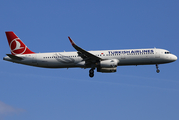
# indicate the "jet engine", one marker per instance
pixel 108 66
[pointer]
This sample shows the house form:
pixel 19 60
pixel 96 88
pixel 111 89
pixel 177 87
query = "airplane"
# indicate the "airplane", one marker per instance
pixel 105 61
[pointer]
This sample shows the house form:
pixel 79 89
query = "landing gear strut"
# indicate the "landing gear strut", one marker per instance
pixel 157 68
pixel 91 72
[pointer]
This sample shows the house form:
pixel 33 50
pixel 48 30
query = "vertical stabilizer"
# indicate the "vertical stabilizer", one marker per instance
pixel 16 45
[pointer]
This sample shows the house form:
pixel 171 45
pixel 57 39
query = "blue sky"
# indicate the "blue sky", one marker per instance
pixel 132 93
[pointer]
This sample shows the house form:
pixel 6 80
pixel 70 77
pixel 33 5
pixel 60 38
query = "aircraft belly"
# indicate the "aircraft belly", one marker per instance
pixel 60 64
pixel 136 61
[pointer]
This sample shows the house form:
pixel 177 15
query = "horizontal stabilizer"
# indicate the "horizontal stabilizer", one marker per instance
pixel 14 57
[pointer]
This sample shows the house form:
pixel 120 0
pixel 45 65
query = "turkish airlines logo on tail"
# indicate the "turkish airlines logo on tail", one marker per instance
pixel 17 47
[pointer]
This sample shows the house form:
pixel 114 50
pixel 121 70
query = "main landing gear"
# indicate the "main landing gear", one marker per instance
pixel 91 72
pixel 157 68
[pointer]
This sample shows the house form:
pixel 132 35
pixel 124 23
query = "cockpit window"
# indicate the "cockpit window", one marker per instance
pixel 167 52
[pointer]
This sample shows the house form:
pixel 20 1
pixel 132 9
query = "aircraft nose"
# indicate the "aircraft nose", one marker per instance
pixel 174 57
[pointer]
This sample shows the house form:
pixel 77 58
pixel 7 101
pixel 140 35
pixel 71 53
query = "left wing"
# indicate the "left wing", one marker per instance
pixel 83 53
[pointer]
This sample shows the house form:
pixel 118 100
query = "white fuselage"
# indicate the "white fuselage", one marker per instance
pixel 72 59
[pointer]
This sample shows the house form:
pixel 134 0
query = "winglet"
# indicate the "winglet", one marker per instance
pixel 71 41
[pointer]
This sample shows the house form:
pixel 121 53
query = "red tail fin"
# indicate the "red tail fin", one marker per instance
pixel 16 45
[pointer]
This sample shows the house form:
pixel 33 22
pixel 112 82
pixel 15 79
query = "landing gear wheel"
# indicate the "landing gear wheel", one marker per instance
pixel 91 75
pixel 91 72
pixel 158 71
pixel 157 68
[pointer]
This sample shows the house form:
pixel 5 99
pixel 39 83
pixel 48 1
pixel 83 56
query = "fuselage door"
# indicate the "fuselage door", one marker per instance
pixel 34 61
pixel 157 53
pixel 122 56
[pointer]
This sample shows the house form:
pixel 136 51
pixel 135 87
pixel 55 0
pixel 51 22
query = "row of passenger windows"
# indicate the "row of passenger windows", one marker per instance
pixel 129 54
pixel 59 57
pixel 139 53
pixel 101 55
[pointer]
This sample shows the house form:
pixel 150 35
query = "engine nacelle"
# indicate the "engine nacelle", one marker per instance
pixel 108 66
pixel 109 63
pixel 107 70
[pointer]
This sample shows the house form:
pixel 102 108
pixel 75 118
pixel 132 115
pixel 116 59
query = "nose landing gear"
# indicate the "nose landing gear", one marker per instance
pixel 157 68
